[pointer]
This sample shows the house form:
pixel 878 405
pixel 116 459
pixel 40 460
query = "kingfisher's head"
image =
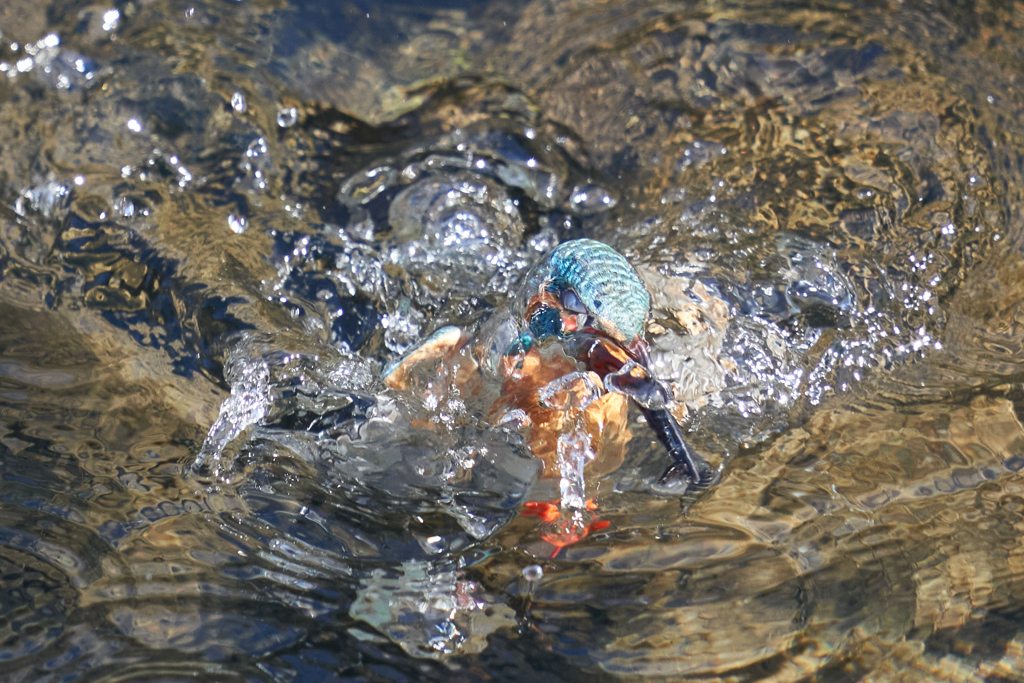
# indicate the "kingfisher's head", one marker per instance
pixel 581 292
pixel 586 286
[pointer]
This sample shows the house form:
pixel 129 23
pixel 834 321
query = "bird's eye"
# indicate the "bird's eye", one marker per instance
pixel 572 302
pixel 545 322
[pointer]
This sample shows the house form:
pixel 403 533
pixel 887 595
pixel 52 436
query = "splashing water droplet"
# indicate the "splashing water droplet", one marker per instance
pixel 574 452
pixel 572 392
pixel 245 407
pixel 534 572
pixel 587 200
pixel 238 224
pixel 111 20
pixel 125 207
pixel 256 148
pixel 287 117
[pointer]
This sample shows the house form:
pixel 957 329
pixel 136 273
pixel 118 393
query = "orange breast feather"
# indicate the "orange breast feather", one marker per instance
pixel 604 419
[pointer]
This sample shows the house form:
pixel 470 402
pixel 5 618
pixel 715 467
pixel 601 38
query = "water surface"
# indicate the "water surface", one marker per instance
pixel 219 222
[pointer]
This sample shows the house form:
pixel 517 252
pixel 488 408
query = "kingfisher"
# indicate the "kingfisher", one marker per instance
pixel 561 362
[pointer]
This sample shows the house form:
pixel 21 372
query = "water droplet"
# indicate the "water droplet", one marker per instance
pixel 587 200
pixel 432 544
pixel 544 241
pixel 534 572
pixel 287 116
pixel 111 19
pixel 185 176
pixel 134 125
pixel 364 187
pixel 238 102
pixel 256 148
pixel 700 152
pixel 46 198
pixel 125 207
pixel 237 224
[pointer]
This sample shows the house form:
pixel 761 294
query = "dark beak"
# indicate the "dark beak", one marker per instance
pixel 626 370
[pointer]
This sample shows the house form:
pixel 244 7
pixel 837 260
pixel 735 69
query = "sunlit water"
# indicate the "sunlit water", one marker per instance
pixel 221 221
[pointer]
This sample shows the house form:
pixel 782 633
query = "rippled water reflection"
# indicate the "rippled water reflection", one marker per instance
pixel 220 221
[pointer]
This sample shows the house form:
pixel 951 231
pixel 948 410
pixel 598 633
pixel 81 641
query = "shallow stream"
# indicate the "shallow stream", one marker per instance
pixel 219 221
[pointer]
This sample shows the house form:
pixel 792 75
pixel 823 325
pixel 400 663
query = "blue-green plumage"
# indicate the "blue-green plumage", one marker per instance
pixel 604 281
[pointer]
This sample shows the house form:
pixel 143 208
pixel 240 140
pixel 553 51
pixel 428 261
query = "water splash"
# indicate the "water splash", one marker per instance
pixel 246 406
pixel 466 222
pixel 429 609
pixel 572 519
pixel 48 199
pixel 574 452
pixel 572 393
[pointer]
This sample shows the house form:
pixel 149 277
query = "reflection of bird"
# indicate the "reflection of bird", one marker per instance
pixel 567 353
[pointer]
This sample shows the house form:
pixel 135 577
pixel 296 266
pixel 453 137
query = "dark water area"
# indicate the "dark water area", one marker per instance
pixel 221 221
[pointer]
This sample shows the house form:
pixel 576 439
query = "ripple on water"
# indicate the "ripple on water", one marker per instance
pixel 37 598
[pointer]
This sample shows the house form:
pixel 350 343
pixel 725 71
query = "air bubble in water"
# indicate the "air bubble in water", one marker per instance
pixel 533 573
pixel 238 224
pixel 467 222
pixel 125 207
pixel 287 116
pixel 256 148
pixel 238 102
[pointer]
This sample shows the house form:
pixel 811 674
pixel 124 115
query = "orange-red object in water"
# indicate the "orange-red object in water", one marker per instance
pixel 525 376
pixel 560 529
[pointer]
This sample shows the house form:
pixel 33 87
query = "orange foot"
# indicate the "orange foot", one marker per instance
pixel 560 527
